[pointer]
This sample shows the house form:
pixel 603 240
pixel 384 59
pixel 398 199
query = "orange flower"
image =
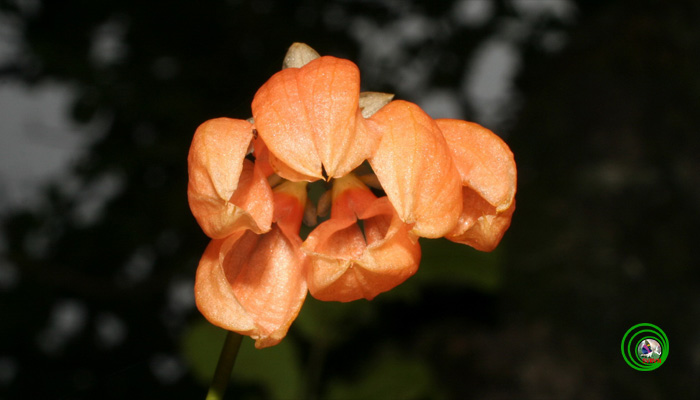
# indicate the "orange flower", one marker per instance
pixel 414 167
pixel 346 263
pixel 434 178
pixel 253 284
pixel 487 171
pixel 311 121
pixel 226 192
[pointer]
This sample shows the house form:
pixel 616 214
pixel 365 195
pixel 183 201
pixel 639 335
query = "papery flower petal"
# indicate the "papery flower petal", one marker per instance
pixel 330 89
pixel 262 157
pixel 254 284
pixel 345 264
pixel 481 226
pixel 310 120
pixel 283 124
pixel 225 191
pixel 290 202
pixel 415 168
pixel 270 164
pixel 266 160
pixel 214 295
pixel 489 176
pixel 483 159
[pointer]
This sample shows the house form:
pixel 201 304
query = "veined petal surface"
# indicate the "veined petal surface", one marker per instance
pixel 330 90
pixel 283 124
pixel 415 168
pixel 225 191
pixel 252 284
pixel 310 119
pixel 346 263
pixel 481 226
pixel 484 161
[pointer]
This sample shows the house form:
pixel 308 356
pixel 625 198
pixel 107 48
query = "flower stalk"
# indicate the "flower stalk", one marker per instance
pixel 227 359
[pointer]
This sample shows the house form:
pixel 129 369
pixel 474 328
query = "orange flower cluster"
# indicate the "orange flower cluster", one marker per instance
pixel 248 191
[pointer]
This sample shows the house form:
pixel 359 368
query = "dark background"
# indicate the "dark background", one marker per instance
pixel 602 116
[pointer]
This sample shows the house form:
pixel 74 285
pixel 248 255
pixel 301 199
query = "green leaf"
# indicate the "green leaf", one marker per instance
pixel 201 345
pixel 391 375
pixel 444 262
pixel 331 322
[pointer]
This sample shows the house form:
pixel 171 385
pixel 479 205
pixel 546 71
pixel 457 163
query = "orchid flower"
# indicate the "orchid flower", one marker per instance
pixel 393 175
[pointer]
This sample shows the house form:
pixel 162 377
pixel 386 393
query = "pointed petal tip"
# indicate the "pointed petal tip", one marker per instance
pixel 371 102
pixel 298 55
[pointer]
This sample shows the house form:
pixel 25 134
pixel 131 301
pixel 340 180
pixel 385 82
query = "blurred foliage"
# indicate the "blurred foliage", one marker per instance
pixel 604 236
pixel 275 372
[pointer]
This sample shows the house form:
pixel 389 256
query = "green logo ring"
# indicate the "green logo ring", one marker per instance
pixel 629 346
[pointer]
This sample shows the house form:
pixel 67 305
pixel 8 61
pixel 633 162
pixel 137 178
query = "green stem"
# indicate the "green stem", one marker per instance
pixel 224 366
